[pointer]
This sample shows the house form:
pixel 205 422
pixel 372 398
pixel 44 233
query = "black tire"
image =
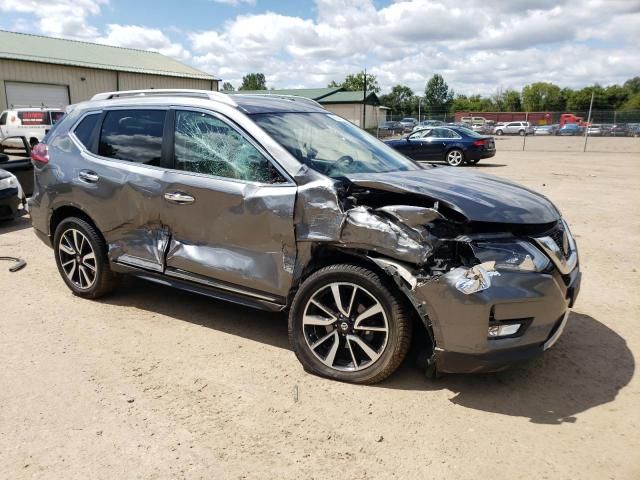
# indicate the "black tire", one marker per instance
pixel 104 279
pixel 396 312
pixel 499 132
pixel 454 157
pixel 521 133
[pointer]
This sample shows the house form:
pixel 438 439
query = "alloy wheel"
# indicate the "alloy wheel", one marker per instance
pixel 77 258
pixel 454 158
pixel 345 326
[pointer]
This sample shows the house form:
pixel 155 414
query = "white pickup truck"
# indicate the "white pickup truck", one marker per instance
pixel 31 123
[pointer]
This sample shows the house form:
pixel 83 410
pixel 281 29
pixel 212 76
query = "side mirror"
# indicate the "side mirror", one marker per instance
pixel 4 157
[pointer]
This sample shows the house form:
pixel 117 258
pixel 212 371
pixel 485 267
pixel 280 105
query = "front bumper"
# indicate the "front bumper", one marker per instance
pixel 460 323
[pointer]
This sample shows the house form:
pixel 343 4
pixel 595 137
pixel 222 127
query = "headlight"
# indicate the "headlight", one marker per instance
pixel 517 255
pixel 9 182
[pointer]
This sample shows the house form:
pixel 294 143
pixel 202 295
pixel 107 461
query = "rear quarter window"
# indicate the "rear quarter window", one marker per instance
pixel 85 129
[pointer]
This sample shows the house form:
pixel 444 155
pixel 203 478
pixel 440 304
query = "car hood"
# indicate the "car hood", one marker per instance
pixel 477 196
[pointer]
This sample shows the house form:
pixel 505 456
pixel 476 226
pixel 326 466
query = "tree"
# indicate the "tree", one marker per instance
pixel 253 81
pixel 400 100
pixel 632 85
pixel 437 96
pixel 511 101
pixel 633 103
pixel 542 96
pixel 355 82
pixel 227 87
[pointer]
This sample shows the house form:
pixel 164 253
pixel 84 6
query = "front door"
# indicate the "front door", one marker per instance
pixel 229 210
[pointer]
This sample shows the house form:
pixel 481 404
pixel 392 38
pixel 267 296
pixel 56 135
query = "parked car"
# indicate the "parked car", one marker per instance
pixel 12 199
pixel 453 145
pixel 31 123
pixel 408 123
pixel 634 129
pixel 391 127
pixel 513 128
pixel 17 161
pixel 427 124
pixel 594 130
pixel 619 130
pixel 545 130
pixel 275 203
pixel 570 129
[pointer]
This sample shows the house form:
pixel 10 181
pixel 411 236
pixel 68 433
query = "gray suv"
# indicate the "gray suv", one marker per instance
pixel 275 203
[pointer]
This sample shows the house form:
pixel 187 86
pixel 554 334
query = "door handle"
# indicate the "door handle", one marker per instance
pixel 179 198
pixel 88 176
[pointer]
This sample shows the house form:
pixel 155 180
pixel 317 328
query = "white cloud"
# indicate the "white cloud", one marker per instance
pixel 478 45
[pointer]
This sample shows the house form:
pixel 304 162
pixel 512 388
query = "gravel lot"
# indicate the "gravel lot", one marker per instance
pixel 157 383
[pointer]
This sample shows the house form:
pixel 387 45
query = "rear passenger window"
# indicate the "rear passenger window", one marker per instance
pixel 133 135
pixel 85 128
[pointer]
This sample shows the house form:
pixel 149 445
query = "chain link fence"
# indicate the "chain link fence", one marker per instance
pixel 605 131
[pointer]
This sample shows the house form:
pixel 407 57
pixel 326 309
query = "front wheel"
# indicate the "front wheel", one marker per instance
pixel 347 324
pixel 499 132
pixel 455 157
pixel 521 133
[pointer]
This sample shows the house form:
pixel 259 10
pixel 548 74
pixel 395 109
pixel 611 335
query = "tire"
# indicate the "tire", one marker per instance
pixel 454 157
pixel 499 132
pixel 339 356
pixel 521 133
pixel 81 257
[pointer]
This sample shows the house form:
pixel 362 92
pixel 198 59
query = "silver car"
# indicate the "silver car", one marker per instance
pixel 513 128
pixel 275 203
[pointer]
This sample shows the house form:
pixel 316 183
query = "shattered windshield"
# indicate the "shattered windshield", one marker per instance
pixel 331 145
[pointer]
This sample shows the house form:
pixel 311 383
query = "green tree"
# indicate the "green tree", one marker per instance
pixel 355 82
pixel 227 87
pixel 633 103
pixel 400 100
pixel 511 101
pixel 542 96
pixel 437 95
pixel 253 81
pixel 632 85
pixel 579 100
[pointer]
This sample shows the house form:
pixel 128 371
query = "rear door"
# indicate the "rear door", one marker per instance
pixel 119 180
pixel 229 209
pixel 19 163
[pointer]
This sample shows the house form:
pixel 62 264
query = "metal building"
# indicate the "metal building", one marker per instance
pixel 54 72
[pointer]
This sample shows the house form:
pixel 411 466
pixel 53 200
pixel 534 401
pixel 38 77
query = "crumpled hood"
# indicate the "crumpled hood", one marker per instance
pixel 479 197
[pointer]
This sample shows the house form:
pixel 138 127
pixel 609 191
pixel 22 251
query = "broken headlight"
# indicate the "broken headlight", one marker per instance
pixel 516 255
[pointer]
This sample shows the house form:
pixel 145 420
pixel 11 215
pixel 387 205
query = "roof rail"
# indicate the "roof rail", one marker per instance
pixel 168 92
pixel 293 98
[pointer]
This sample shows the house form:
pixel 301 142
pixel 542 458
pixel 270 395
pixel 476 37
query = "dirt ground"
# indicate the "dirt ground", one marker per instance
pixel 156 383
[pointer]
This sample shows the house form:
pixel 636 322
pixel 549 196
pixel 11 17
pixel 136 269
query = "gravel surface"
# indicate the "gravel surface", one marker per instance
pixel 157 383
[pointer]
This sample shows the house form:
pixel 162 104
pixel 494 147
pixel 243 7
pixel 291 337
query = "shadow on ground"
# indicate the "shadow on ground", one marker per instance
pixel 588 366
pixel 20 223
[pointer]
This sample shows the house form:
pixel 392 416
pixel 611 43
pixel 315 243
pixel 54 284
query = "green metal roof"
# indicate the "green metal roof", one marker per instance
pixel 312 93
pixel 36 48
pixel 320 95
pixel 351 97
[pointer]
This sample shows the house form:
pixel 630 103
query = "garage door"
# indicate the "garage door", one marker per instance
pixel 36 95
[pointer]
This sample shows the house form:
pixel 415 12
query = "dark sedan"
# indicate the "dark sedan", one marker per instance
pixel 454 145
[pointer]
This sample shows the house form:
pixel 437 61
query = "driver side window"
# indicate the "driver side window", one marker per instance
pixel 422 134
pixel 206 144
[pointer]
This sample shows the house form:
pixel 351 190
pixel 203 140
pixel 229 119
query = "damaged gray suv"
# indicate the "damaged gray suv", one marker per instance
pixel 275 203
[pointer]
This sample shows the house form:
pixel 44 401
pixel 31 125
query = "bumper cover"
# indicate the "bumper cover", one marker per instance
pixel 460 322
pixel 9 203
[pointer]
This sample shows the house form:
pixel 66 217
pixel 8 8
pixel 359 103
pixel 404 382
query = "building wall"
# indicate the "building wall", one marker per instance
pixel 353 113
pixel 95 80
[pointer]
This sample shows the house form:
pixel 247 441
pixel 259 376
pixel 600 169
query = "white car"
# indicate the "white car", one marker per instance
pixel 31 123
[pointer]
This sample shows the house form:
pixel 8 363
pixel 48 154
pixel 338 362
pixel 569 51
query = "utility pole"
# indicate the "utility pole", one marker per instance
pixel 586 133
pixel 364 101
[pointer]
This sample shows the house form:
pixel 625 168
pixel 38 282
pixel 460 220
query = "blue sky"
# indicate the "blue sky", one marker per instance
pixel 479 46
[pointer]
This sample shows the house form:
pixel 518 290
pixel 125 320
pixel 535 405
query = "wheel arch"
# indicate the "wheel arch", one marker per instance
pixel 61 212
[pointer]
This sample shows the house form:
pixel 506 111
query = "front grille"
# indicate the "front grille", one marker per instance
pixel 559 236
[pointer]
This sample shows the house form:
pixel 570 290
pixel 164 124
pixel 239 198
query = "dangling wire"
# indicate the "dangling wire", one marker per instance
pixel 20 263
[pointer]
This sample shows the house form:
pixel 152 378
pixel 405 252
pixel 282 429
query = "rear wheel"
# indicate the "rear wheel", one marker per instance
pixel 499 132
pixel 455 157
pixel 81 257
pixel 347 324
pixel 521 133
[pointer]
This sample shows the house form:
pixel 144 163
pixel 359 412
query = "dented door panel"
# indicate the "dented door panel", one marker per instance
pixel 235 232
